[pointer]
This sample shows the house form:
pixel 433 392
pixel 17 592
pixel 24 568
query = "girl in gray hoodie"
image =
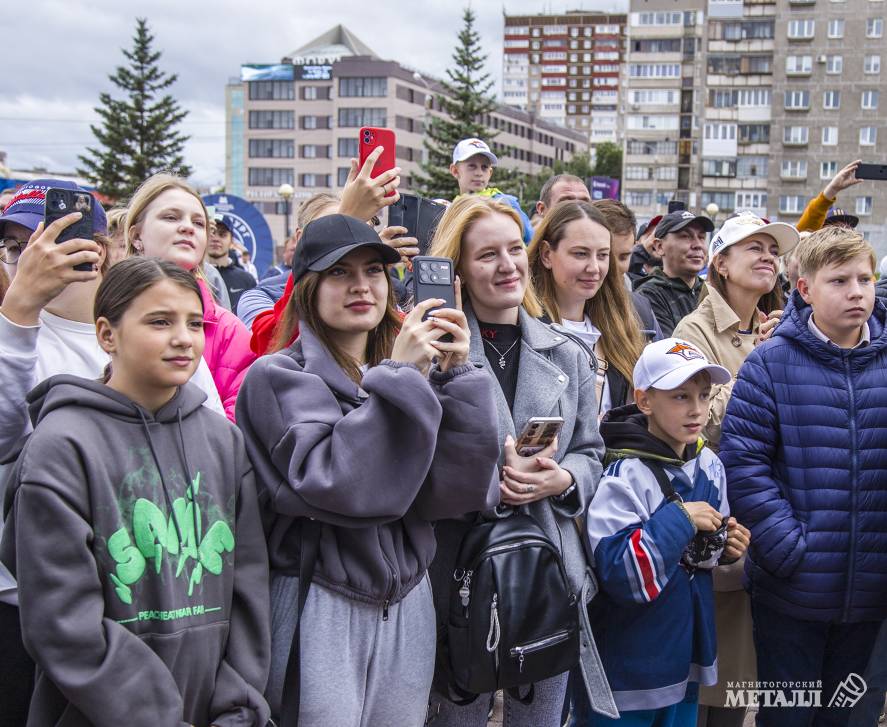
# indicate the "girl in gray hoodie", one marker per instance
pixel 133 528
pixel 361 442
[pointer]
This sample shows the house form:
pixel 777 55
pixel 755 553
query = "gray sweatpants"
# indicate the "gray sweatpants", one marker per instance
pixel 356 669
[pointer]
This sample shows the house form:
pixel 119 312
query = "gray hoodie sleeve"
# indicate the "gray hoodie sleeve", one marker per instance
pixel 241 679
pixel 586 451
pixel 102 669
pixel 464 475
pixel 352 470
pixel 18 375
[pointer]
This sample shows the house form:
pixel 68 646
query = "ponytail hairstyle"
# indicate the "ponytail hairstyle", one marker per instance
pixel 611 309
pixel 148 191
pixel 127 280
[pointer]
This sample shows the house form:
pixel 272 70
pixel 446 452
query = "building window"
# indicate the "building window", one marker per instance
pixel 719 167
pixel 666 174
pixel 725 200
pixel 798 65
pixel 754 97
pixel 794 169
pixel 347 147
pixel 720 132
pixel 836 28
pixel 868 136
pixel 355 117
pixel 636 173
pixel 638 199
pixel 791 204
pixel 372 86
pixel 316 93
pixel 827 170
pixel 834 64
pixel 315 122
pixel 863 205
pixel 831 100
pixel 271 148
pixel 869 100
pixel 272 91
pixel 751 200
pixel 315 151
pixel 754 133
pixel 829 135
pixel 654 70
pixel 874 27
pixel 872 65
pixel 801 29
pixel 315 180
pixel 272 120
pixel 752 166
pixel 269 176
pixel 797 100
pixel 795 135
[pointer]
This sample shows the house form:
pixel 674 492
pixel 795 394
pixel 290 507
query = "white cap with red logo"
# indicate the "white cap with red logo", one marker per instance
pixel 467 148
pixel 668 363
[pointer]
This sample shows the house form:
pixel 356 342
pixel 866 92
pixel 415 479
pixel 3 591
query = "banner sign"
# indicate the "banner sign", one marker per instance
pixel 264 72
pixel 604 188
pixel 250 228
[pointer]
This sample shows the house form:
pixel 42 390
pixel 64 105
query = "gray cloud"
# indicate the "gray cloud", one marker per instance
pixel 46 104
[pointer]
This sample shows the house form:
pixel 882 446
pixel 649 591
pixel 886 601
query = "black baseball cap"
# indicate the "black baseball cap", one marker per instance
pixel 678 220
pixel 328 239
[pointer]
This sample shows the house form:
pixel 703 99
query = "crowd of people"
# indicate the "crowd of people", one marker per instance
pixel 306 498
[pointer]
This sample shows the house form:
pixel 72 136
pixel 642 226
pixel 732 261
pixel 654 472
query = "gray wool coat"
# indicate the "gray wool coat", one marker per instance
pixel 555 378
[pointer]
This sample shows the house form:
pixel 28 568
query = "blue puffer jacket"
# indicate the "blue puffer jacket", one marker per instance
pixel 805 448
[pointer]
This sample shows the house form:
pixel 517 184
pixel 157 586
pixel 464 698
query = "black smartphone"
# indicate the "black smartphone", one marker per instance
pixel 872 171
pixel 538 433
pixel 419 215
pixel 61 202
pixel 433 277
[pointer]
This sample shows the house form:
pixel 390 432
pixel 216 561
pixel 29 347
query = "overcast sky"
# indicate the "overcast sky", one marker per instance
pixel 51 80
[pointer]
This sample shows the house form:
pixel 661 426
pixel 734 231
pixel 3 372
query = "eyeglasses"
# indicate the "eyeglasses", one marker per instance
pixel 11 249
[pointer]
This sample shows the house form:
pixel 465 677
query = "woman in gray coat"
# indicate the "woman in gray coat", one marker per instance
pixel 540 372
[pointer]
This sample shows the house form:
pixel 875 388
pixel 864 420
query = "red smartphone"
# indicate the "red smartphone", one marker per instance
pixel 370 138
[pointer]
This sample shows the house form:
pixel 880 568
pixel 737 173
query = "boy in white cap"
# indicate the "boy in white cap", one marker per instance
pixel 656 527
pixel 472 167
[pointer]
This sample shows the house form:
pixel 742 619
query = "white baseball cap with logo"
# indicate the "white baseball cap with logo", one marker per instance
pixel 668 363
pixel 467 148
pixel 744 224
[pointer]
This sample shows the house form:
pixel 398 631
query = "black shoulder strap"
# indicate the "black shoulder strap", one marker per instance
pixel 592 359
pixel 662 480
pixel 292 692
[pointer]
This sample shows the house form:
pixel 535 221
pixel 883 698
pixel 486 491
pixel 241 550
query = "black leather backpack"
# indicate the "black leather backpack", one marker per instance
pixel 512 619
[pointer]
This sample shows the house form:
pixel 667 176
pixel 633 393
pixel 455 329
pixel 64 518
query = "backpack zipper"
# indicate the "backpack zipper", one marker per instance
pixel 523 649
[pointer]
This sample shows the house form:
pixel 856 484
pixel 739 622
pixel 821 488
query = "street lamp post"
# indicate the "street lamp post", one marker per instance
pixel 286 193
pixel 711 209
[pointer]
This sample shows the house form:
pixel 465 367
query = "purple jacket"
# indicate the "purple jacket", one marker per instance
pixel 376 465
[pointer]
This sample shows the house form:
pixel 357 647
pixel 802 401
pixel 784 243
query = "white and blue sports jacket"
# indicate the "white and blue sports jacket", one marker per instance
pixel 654 619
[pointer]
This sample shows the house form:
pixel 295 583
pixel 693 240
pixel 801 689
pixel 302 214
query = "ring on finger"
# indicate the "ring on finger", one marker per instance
pixel 529 489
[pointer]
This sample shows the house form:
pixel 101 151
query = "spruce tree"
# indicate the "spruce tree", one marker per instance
pixel 137 136
pixel 464 101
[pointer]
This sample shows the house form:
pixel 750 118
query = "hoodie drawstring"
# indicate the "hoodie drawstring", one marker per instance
pixel 190 476
pixel 166 494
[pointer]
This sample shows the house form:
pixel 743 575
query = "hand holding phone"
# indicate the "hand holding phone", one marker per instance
pixel 537 434
pixel 433 278
pixel 372 138
pixel 63 202
pixel 872 171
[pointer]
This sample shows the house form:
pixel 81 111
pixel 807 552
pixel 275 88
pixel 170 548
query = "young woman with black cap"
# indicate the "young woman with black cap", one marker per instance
pixel 360 442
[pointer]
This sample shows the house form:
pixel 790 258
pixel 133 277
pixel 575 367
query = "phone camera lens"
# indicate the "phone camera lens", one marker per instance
pixel 433 278
pixel 423 267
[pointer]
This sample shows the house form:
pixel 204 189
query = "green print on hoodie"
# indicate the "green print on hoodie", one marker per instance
pixel 155 533
pixel 141 562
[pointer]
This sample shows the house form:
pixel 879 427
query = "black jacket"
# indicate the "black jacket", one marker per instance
pixel 670 298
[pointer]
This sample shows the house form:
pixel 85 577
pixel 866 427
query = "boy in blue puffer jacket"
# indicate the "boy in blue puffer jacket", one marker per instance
pixel 805 448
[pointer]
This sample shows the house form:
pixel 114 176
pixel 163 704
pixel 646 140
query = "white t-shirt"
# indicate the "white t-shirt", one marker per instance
pixel 586 330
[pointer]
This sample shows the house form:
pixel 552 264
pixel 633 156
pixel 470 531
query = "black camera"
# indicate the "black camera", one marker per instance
pixel 704 545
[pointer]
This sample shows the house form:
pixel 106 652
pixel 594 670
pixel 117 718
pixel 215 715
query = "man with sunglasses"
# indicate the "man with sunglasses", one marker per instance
pixel 46 328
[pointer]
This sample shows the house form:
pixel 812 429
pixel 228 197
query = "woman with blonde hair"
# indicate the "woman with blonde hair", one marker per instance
pixel 582 290
pixel 167 219
pixel 540 373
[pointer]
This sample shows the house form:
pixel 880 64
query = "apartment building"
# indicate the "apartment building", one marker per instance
pixel 829 104
pixel 296 122
pixel 662 103
pixel 566 69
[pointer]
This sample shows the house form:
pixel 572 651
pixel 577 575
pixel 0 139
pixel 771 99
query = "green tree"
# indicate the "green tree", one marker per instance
pixel 465 99
pixel 137 136
pixel 608 160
